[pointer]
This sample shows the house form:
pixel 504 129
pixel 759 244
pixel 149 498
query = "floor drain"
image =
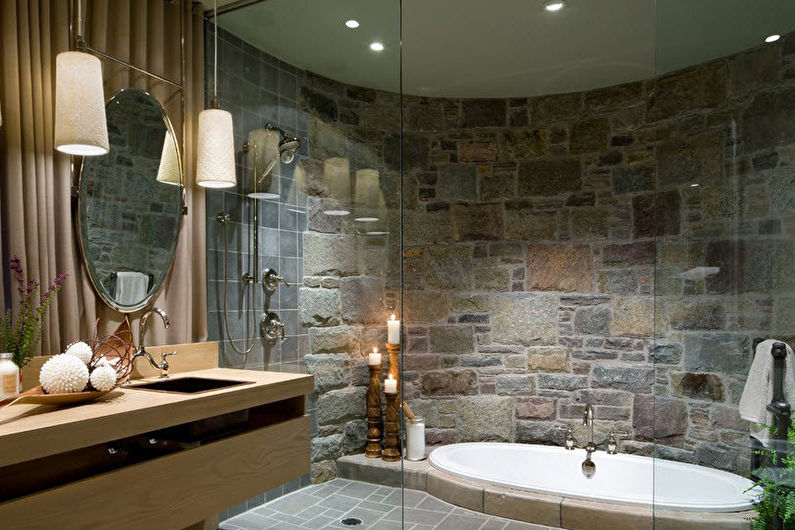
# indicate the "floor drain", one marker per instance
pixel 351 521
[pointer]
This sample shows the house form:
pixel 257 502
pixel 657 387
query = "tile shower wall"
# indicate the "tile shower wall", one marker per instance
pixel 257 89
pixel 548 239
pixel 344 274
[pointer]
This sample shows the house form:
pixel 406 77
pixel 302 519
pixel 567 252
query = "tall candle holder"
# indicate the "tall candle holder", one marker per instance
pixel 392 428
pixel 394 362
pixel 373 447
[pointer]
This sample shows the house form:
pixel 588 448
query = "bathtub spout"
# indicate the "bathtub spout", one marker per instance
pixel 587 420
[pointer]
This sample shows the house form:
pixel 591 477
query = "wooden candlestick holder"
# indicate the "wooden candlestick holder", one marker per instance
pixel 373 447
pixel 392 429
pixel 394 362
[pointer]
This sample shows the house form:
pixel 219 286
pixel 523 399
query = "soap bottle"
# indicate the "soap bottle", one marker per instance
pixel 9 376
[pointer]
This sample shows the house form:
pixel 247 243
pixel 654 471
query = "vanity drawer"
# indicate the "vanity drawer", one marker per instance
pixel 172 491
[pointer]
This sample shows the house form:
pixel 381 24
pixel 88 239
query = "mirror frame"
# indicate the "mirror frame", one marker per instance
pixel 77 171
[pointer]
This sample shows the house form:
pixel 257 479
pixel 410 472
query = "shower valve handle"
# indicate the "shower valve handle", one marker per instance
pixel 271 280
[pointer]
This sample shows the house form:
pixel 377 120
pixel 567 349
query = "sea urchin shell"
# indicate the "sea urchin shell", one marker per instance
pixel 63 374
pixel 103 378
pixel 81 350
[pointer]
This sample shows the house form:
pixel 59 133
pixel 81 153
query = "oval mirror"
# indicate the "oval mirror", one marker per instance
pixel 130 203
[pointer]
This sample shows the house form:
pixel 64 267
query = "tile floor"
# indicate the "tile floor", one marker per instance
pixel 324 506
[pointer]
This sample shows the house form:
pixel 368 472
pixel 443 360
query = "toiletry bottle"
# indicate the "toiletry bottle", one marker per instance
pixel 9 376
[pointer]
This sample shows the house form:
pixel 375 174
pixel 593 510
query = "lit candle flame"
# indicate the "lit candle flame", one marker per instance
pixel 392 317
pixel 375 349
pixel 390 376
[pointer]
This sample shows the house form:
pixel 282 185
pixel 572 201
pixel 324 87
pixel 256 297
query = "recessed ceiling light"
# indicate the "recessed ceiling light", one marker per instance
pixel 772 38
pixel 554 5
pixel 377 47
pixel 353 24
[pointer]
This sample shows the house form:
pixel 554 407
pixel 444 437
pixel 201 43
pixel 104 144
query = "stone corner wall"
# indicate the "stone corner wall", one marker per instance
pixel 556 250
pixel 351 279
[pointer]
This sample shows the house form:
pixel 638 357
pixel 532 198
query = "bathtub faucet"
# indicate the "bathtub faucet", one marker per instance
pixel 587 421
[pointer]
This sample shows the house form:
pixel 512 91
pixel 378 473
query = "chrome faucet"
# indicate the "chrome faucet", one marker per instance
pixel 587 421
pixel 163 364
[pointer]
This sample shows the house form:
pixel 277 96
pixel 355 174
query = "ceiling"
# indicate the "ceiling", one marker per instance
pixel 504 48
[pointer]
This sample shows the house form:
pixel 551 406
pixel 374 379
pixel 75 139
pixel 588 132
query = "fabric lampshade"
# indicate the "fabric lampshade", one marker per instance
pixel 169 171
pixel 215 165
pixel 80 125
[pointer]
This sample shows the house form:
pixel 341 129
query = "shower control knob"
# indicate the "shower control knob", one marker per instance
pixel 271 280
pixel 272 328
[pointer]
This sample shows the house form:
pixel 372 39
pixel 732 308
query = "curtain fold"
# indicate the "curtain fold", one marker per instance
pixel 36 207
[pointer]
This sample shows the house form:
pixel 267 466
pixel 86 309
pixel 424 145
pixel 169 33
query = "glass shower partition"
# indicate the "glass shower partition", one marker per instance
pixel 720 121
pixel 326 219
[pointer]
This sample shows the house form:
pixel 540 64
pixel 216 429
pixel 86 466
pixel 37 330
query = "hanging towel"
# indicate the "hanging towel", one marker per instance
pixel 131 287
pixel 758 391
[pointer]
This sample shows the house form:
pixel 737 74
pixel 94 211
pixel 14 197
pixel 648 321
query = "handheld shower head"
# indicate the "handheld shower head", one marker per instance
pixel 287 148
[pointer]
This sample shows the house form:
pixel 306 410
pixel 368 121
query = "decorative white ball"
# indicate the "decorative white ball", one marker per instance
pixel 63 374
pixel 103 378
pixel 81 350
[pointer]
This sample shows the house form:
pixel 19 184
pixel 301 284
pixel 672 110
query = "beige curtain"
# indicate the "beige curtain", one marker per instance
pixel 35 194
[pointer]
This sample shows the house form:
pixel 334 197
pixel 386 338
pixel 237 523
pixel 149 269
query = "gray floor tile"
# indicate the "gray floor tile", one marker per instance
pixel 379 507
pixel 462 522
pixel 435 505
pixel 319 522
pixel 339 502
pixel 494 524
pixel 293 503
pixel 376 506
pixel 358 490
pixel 427 517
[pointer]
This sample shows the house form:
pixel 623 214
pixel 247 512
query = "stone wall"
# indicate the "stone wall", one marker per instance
pixel 555 254
pixel 351 277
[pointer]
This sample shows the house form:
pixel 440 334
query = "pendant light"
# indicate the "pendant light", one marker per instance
pixel 80 125
pixel 215 164
pixel 169 171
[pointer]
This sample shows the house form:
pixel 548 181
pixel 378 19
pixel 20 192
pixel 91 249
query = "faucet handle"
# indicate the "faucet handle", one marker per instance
pixel 613 439
pixel 570 443
pixel 271 280
pixel 164 363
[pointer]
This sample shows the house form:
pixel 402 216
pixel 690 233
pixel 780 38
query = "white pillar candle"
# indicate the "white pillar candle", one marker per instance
pixel 393 330
pixel 374 358
pixel 415 439
pixel 390 385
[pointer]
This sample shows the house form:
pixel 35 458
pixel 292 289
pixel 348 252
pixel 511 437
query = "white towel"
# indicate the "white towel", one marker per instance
pixel 131 287
pixel 758 391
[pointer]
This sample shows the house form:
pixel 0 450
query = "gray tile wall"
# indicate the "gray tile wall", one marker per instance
pixel 257 89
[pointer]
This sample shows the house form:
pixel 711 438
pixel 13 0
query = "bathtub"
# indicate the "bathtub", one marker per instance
pixel 620 478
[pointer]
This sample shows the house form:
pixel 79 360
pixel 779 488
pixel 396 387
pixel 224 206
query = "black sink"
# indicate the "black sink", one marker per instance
pixel 187 385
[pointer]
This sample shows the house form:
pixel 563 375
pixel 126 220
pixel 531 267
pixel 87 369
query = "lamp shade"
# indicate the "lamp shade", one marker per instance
pixel 215 165
pixel 337 173
pixel 80 125
pixel 169 171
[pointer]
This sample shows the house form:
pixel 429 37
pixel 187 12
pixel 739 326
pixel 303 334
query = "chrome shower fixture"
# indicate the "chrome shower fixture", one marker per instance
pixel 287 147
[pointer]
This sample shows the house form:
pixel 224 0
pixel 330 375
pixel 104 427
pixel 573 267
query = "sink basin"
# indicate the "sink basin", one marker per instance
pixel 187 385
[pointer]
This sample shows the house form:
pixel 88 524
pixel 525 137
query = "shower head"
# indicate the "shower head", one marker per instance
pixel 287 148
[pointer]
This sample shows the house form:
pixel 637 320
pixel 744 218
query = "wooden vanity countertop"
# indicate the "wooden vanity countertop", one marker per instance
pixel 34 431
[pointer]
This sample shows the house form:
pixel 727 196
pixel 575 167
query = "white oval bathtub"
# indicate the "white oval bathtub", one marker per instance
pixel 620 478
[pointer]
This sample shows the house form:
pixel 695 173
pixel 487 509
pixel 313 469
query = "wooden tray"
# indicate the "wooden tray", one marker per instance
pixel 37 396
pixel 118 345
